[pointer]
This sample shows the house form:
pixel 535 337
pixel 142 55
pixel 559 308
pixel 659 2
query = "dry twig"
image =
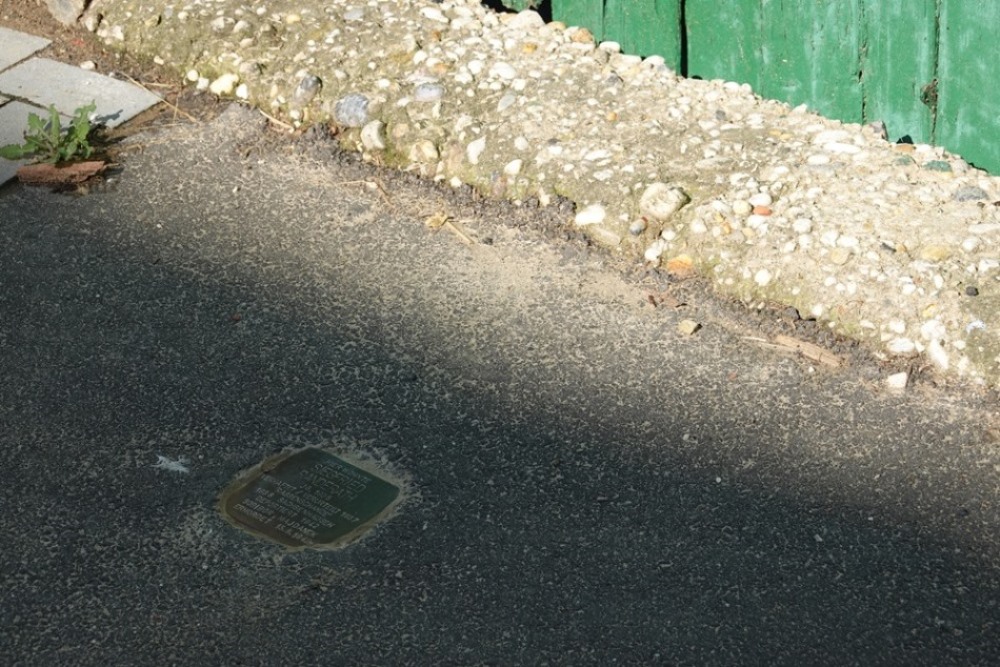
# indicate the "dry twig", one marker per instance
pixel 809 350
pixel 177 109
pixel 439 220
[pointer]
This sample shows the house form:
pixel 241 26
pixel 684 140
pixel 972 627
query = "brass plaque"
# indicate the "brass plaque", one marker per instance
pixel 308 498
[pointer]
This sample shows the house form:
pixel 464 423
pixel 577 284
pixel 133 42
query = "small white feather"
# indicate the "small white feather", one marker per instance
pixel 172 465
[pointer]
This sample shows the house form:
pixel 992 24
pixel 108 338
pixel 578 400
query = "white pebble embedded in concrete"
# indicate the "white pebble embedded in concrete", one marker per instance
pixel 475 149
pixel 591 215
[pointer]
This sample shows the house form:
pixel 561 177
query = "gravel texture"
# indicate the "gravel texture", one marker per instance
pixel 893 244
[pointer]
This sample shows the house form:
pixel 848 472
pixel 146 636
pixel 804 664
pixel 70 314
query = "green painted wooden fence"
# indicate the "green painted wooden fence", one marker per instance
pixel 930 69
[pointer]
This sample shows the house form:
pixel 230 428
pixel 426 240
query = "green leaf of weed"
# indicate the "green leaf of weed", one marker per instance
pixel 55 126
pixel 13 152
pixel 35 124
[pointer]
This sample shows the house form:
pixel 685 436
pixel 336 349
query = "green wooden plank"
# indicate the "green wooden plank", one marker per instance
pixel 723 40
pixel 645 27
pixel 520 5
pixel 968 111
pixel 898 58
pixel 856 60
pixel 798 51
pixel 587 14
pixel 810 54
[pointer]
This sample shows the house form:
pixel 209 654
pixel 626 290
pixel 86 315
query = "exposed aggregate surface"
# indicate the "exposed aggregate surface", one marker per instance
pixel 893 244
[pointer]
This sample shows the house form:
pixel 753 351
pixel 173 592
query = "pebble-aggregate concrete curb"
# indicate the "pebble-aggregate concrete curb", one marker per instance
pixel 893 244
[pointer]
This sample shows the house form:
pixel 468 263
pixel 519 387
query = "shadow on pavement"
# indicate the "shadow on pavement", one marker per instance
pixel 573 499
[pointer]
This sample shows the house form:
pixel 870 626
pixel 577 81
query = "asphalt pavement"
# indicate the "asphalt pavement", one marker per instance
pixel 582 484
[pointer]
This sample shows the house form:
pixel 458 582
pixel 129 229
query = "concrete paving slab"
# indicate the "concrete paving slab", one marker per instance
pixel 13 123
pixel 8 170
pixel 46 82
pixel 16 46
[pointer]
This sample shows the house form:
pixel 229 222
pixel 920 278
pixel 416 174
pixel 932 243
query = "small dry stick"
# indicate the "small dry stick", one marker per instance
pixel 377 184
pixel 177 109
pixel 809 351
pixel 280 123
pixel 443 220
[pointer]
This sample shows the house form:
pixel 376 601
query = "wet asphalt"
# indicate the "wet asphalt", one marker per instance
pixel 582 484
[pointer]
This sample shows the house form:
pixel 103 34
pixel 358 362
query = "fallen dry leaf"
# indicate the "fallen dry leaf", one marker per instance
pixel 436 220
pixel 50 174
pixel 688 327
pixel 681 266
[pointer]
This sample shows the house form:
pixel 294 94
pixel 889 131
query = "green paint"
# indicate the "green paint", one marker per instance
pixel 520 5
pixel 927 68
pixel 899 51
pixel 586 13
pixel 810 55
pixel 797 51
pixel 723 40
pixel 968 111
pixel 645 27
